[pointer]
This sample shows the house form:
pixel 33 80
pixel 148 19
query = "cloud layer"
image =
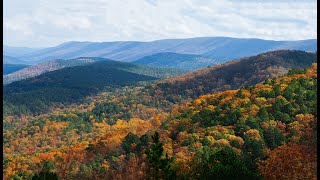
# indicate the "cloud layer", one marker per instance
pixel 42 23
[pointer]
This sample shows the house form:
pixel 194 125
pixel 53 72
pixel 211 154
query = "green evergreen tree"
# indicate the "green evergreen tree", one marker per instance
pixel 273 137
pixel 159 166
pixel 226 164
pixel 263 114
pixel 128 141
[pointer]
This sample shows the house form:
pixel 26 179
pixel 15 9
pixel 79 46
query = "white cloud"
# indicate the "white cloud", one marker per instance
pixel 50 22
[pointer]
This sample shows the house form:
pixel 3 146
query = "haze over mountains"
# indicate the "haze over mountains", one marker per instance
pixel 221 48
pixel 18 51
pixel 12 60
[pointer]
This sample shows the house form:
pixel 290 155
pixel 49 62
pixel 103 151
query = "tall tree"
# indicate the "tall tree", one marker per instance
pixel 159 166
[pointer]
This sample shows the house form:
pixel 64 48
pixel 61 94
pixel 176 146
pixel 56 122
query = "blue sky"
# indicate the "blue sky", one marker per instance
pixel 43 23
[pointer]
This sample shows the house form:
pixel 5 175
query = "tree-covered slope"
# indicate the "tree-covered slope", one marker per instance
pixel 54 65
pixel 69 85
pixel 266 131
pixel 44 67
pixel 87 76
pixel 231 75
pixel 269 120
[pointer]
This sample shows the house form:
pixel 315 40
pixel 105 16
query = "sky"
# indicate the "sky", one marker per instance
pixel 45 23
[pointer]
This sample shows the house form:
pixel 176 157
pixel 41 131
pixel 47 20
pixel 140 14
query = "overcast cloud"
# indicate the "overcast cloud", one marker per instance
pixel 43 23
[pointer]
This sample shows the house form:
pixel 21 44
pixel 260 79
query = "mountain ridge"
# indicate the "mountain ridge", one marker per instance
pixel 41 68
pixel 18 51
pixel 225 48
pixel 231 75
pixel 44 67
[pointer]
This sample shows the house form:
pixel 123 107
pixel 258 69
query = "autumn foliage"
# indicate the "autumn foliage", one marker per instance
pixel 264 131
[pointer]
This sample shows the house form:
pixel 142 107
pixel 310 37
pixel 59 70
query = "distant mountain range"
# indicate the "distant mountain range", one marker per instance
pixel 221 48
pixel 12 60
pixel 18 51
pixel 187 62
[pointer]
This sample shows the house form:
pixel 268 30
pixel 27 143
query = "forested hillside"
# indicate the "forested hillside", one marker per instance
pixel 263 131
pixel 231 75
pixel 42 68
pixel 54 65
pixel 160 90
pixel 72 84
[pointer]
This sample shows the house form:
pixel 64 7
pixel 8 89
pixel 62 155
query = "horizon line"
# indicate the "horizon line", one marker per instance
pixel 73 41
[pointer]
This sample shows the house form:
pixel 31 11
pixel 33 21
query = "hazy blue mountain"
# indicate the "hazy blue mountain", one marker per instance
pixel 18 51
pixel 10 68
pixel 187 62
pixel 75 49
pixel 12 60
pixel 249 47
pixel 222 48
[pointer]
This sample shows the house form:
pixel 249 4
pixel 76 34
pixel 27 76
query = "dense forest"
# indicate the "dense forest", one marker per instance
pixel 160 90
pixel 38 69
pixel 258 131
pixel 44 67
pixel 70 85
pixel 231 75
pixel 62 87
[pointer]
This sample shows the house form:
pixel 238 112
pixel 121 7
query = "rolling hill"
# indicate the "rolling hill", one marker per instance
pixel 231 75
pixel 222 48
pixel 267 131
pixel 44 67
pixel 187 62
pixel 71 84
